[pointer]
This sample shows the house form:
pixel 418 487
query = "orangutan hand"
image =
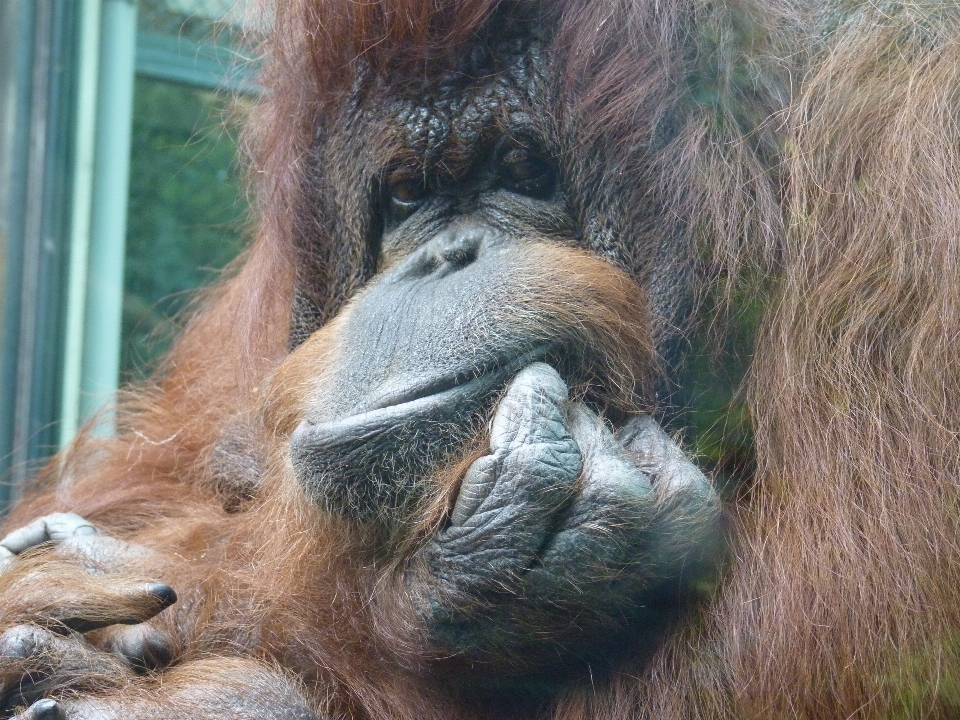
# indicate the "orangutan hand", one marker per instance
pixel 73 617
pixel 565 534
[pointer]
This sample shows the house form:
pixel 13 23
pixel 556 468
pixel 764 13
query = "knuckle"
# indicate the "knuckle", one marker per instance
pixel 46 709
pixel 61 526
pixel 20 642
pixel 103 554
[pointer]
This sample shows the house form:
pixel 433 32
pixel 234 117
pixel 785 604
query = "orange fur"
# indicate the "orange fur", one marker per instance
pixel 839 601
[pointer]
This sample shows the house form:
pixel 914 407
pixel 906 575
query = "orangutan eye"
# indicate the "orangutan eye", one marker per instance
pixel 405 193
pixel 527 172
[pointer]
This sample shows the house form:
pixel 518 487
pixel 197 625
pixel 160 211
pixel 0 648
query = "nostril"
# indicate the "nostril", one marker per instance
pixel 453 249
pixel 456 251
pixel 461 255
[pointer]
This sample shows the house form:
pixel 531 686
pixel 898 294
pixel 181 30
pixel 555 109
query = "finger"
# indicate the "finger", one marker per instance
pixel 609 469
pixel 210 689
pixel 476 487
pixel 55 527
pixel 509 499
pixel 534 460
pixel 688 511
pixel 35 662
pixel 630 512
pixel 660 457
pixel 65 596
pixel 530 411
pixel 539 462
pixel 103 554
pixel 94 708
pixel 533 467
pixel 607 525
pixel 45 709
pixel 6 557
pixel 120 603
pixel 143 647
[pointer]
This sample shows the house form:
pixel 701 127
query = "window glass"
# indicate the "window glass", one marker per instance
pixel 185 219
pixel 186 19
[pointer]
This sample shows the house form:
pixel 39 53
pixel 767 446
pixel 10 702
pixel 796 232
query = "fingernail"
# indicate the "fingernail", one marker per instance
pixel 164 593
pixel 46 709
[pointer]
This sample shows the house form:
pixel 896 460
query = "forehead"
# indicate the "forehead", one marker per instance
pixel 495 89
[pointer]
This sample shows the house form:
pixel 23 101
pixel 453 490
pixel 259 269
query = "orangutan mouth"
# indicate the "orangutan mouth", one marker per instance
pixel 449 398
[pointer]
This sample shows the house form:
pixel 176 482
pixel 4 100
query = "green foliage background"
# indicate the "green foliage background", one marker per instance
pixel 185 218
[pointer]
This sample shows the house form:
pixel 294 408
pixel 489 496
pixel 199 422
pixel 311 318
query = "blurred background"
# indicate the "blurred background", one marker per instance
pixel 119 194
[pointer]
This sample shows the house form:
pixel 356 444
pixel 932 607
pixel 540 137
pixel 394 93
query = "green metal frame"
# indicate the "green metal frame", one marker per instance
pixel 38 74
pixel 68 66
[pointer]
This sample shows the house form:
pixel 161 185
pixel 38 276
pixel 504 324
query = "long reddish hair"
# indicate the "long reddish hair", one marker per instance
pixel 839 600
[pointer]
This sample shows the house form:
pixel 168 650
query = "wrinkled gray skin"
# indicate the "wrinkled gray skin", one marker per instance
pixel 565 541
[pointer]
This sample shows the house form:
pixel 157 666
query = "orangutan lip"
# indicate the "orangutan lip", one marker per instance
pixel 440 400
pixel 469 378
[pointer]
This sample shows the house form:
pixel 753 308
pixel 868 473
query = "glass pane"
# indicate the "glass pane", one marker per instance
pixel 185 218
pixel 190 19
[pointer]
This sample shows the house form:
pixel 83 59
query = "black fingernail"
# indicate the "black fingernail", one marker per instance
pixel 164 593
pixel 46 709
